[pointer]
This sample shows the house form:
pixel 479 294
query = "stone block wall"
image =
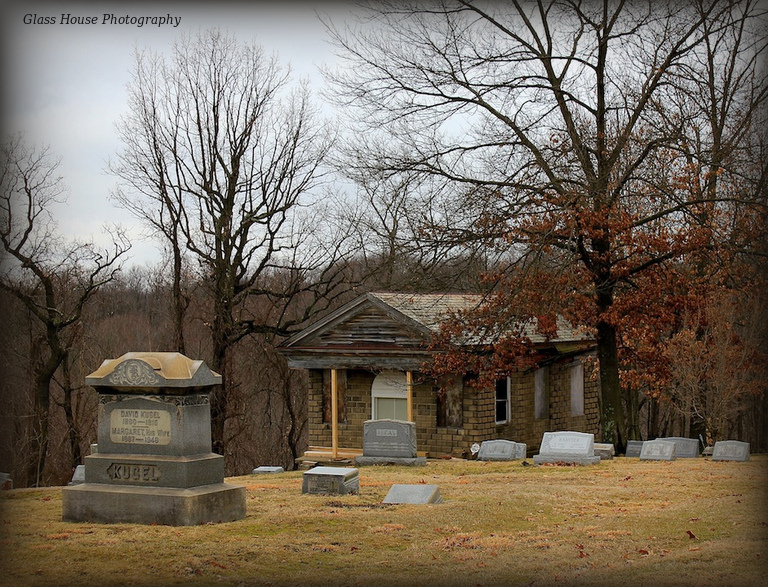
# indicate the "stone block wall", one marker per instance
pixel 478 412
pixel 478 415
pixel 525 427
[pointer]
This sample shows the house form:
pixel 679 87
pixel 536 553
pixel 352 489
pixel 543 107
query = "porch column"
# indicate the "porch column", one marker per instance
pixel 409 394
pixel 334 414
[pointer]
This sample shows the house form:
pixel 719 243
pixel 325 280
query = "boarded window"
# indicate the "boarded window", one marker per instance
pixel 502 400
pixel 341 384
pixel 541 393
pixel 577 389
pixel 449 400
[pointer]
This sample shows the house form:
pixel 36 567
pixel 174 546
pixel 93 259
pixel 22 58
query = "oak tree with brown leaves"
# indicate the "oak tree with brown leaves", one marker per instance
pixel 574 135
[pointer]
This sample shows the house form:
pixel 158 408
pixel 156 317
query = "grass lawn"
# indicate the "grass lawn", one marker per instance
pixel 686 522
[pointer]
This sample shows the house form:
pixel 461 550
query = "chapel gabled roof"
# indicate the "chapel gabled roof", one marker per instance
pixel 390 329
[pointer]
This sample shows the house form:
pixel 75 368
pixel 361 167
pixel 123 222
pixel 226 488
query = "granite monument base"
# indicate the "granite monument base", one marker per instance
pixel 168 506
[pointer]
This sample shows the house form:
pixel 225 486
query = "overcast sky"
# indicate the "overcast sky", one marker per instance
pixel 64 85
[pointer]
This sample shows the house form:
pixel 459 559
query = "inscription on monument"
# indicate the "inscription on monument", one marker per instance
pixel 135 473
pixel 140 427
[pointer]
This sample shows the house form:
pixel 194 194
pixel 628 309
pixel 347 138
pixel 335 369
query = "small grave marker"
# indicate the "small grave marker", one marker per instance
pixel 634 447
pixel 604 451
pixel 331 481
pixel 413 494
pixel 264 469
pixel 78 476
pixel 658 450
pixel 730 450
pixel 501 450
pixel 567 447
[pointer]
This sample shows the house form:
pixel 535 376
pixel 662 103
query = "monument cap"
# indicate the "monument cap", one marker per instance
pixel 142 371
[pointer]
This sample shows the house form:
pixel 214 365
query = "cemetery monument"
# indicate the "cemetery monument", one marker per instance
pixel 154 463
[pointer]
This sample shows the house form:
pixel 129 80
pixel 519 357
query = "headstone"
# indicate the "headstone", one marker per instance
pixel 605 451
pixel 658 450
pixel 730 450
pixel 685 448
pixel 5 481
pixel 567 447
pixel 501 450
pixel 413 494
pixel 264 469
pixel 389 442
pixel 331 481
pixel 634 447
pixel 154 463
pixel 78 476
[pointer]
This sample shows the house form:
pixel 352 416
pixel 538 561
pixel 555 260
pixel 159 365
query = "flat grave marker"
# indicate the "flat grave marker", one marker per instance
pixel 266 469
pixel 413 494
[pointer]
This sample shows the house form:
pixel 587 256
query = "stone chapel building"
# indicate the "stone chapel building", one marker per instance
pixel 366 361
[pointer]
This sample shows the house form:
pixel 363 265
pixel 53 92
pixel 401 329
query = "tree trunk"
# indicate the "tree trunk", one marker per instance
pixel 612 406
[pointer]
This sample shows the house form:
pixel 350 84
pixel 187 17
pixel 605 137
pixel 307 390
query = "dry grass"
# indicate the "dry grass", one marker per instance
pixel 688 522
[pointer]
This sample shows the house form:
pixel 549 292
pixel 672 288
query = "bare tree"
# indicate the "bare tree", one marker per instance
pixel 547 119
pixel 222 160
pixel 54 280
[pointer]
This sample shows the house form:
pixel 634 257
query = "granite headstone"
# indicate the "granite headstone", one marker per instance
pixel 388 442
pixel 501 450
pixel 605 451
pixel 634 447
pixel 658 450
pixel 567 447
pixel 78 476
pixel 331 481
pixel 730 450
pixel 685 448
